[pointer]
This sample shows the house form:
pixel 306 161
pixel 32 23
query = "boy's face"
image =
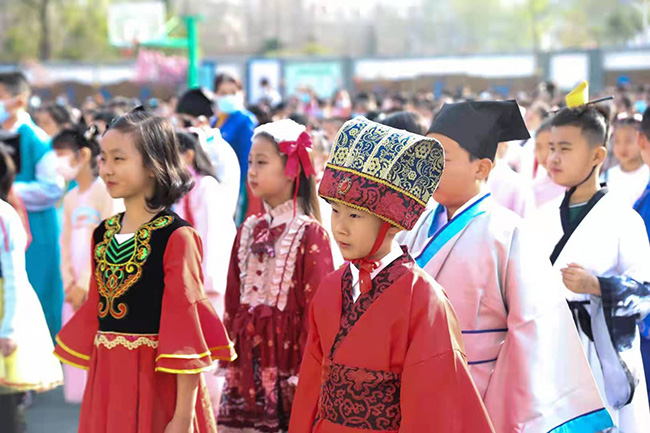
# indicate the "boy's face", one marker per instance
pixel 460 176
pixel 626 146
pixel 571 157
pixel 542 147
pixel 12 102
pixel 355 231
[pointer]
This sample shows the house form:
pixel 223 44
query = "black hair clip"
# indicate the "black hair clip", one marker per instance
pixel 138 109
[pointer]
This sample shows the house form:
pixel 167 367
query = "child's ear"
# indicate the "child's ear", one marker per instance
pixel 601 155
pixel 22 100
pixel 84 155
pixel 392 231
pixel 483 169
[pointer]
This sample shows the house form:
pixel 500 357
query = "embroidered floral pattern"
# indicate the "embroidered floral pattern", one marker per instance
pixel 389 173
pixel 114 279
pixel 360 398
pixel 353 396
pixel 370 195
pixel 131 342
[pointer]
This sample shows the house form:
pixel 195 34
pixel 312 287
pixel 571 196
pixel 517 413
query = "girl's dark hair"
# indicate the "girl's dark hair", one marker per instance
pixel 202 164
pixel 77 138
pixel 104 116
pixel 307 191
pixel 408 121
pixel 7 172
pixel 226 78
pixel 261 113
pixel 633 121
pixel 59 113
pixel 155 139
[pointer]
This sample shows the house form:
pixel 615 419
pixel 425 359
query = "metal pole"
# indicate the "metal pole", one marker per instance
pixel 192 51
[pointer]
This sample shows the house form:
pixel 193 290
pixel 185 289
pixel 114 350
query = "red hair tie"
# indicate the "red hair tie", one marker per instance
pixel 297 156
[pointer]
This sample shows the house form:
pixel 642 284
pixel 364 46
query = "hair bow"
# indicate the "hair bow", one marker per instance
pixel 297 155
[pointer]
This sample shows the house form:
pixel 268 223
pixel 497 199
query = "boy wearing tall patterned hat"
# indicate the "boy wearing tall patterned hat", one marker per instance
pixel 384 350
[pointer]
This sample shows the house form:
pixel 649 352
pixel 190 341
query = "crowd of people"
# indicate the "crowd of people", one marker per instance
pixel 381 262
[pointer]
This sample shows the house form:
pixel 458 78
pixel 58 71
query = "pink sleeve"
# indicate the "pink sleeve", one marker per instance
pixel 67 272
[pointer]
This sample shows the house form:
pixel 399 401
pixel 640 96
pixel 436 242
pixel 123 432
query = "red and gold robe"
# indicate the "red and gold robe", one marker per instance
pixel 392 361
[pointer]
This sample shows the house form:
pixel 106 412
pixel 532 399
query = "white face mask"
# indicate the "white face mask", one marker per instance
pixel 65 168
pixel 229 104
pixel 4 114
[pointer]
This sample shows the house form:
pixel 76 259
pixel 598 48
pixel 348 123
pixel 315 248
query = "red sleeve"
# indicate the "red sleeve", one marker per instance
pixel 438 393
pixel 316 262
pixel 191 335
pixel 233 284
pixel 75 340
pixel 305 402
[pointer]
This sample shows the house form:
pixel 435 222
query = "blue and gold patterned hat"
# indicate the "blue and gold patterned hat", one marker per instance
pixel 387 172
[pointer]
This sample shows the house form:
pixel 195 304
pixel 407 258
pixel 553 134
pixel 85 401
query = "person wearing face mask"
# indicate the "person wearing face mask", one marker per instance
pixel 236 125
pixel 38 186
pixel 193 110
pixel 84 207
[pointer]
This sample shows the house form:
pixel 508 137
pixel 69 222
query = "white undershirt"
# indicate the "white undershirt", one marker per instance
pixel 123 237
pixel 394 254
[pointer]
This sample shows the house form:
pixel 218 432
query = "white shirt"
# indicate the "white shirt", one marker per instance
pixel 628 185
pixel 123 237
pixel 394 254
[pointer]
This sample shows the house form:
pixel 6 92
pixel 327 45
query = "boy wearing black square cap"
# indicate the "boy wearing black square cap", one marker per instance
pixel 524 354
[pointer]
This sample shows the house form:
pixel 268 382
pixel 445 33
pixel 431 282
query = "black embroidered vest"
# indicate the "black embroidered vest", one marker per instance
pixel 130 276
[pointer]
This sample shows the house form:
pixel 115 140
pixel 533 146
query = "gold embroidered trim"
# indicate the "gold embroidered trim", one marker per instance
pixel 376 179
pixel 114 280
pixel 209 353
pixel 192 371
pixel 181 356
pixel 70 351
pixel 112 343
pixel 65 361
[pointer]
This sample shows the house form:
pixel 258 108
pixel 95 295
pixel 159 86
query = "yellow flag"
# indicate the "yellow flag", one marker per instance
pixel 578 96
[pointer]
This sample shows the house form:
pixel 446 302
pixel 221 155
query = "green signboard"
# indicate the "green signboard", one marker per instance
pixel 324 77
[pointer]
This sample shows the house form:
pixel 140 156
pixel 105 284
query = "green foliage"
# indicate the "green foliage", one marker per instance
pixel 513 25
pixel 74 30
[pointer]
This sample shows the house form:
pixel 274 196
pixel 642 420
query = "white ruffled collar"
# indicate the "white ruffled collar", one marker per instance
pixel 282 213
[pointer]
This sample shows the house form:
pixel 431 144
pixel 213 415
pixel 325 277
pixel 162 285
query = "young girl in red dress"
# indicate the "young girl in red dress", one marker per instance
pixel 147 330
pixel 277 263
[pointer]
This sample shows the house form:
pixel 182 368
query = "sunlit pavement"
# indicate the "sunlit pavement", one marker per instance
pixel 51 414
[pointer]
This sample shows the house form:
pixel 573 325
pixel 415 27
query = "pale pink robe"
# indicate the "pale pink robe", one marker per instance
pixel 205 207
pixel 511 189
